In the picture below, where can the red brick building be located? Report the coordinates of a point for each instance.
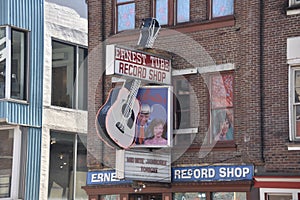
(234, 64)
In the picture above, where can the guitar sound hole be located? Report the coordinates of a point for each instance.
(120, 126)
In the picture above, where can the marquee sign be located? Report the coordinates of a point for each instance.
(144, 166)
(137, 64)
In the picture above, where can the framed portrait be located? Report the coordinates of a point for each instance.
(154, 121)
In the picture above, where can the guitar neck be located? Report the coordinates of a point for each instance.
(132, 87)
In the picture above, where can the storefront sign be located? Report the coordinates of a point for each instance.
(137, 64)
(212, 173)
(144, 166)
(104, 177)
(139, 166)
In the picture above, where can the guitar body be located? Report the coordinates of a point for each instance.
(101, 117)
(120, 121)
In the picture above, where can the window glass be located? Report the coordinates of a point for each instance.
(14, 65)
(189, 196)
(280, 196)
(63, 74)
(69, 76)
(122, 1)
(67, 166)
(2, 61)
(222, 8)
(81, 170)
(222, 107)
(297, 102)
(6, 161)
(18, 65)
(229, 195)
(182, 104)
(161, 10)
(126, 16)
(110, 197)
(183, 11)
(82, 79)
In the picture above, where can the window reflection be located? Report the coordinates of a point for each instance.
(69, 76)
(126, 16)
(229, 196)
(222, 8)
(18, 65)
(183, 11)
(6, 159)
(162, 11)
(2, 61)
(67, 166)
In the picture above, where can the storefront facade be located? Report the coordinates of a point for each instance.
(222, 75)
(213, 182)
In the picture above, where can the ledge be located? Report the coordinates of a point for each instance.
(293, 147)
(293, 10)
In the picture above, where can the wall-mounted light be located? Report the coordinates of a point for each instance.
(138, 186)
(52, 140)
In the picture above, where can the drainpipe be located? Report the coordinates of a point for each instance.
(261, 71)
(103, 65)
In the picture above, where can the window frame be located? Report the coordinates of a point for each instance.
(16, 161)
(263, 193)
(172, 13)
(9, 62)
(125, 2)
(211, 140)
(76, 67)
(293, 104)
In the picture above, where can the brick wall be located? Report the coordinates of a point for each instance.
(238, 43)
(278, 27)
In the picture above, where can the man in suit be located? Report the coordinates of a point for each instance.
(142, 123)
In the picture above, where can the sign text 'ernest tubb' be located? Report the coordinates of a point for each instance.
(138, 64)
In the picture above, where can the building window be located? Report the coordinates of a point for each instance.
(110, 197)
(221, 107)
(165, 14)
(294, 2)
(279, 194)
(183, 11)
(69, 76)
(189, 195)
(10, 148)
(67, 170)
(125, 10)
(295, 104)
(222, 8)
(13, 63)
(182, 104)
(182, 123)
(229, 195)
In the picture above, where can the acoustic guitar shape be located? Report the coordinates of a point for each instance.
(121, 116)
(101, 117)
